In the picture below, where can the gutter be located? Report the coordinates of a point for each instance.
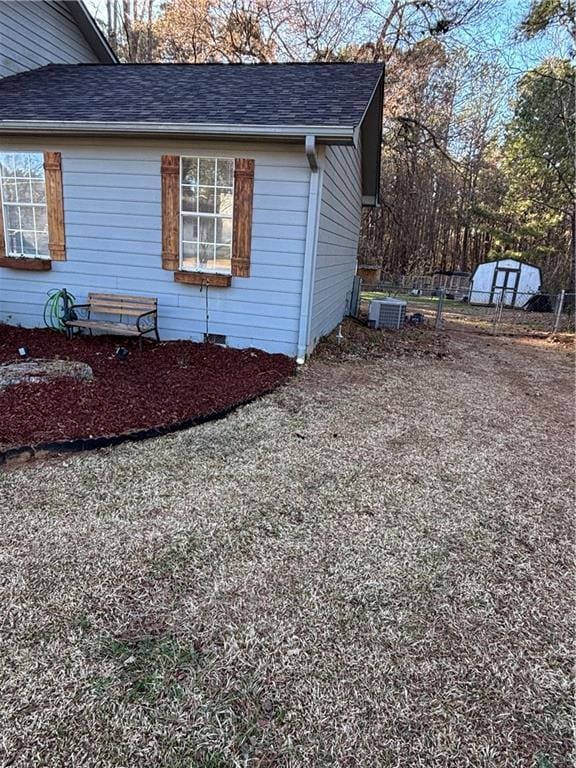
(314, 193)
(329, 134)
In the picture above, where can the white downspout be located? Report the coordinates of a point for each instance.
(309, 248)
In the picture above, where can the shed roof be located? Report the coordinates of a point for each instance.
(307, 95)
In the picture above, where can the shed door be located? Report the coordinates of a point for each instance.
(505, 284)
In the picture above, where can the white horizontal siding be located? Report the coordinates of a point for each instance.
(338, 233)
(112, 196)
(34, 33)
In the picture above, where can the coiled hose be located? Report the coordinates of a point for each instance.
(56, 308)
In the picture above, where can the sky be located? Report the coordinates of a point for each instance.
(500, 35)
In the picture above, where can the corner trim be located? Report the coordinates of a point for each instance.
(312, 219)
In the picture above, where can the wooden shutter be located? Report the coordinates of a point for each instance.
(170, 212)
(243, 204)
(2, 241)
(55, 205)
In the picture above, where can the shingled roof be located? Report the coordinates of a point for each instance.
(335, 95)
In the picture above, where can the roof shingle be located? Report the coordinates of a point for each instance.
(240, 94)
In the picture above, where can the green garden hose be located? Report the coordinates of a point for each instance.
(55, 309)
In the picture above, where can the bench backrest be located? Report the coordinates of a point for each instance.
(119, 304)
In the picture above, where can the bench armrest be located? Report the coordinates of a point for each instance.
(149, 325)
(71, 315)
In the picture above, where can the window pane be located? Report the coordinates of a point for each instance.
(206, 229)
(14, 242)
(224, 201)
(42, 240)
(189, 170)
(40, 222)
(21, 165)
(7, 165)
(28, 244)
(223, 256)
(206, 254)
(224, 173)
(23, 191)
(189, 255)
(189, 199)
(224, 231)
(36, 166)
(12, 217)
(38, 192)
(190, 228)
(206, 200)
(9, 191)
(26, 217)
(207, 166)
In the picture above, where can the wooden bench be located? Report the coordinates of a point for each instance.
(135, 315)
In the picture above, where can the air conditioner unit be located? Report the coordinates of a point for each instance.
(387, 313)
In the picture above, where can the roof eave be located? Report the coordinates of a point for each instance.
(92, 32)
(324, 134)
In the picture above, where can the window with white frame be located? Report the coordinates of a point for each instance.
(206, 205)
(23, 192)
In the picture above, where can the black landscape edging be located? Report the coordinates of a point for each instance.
(107, 441)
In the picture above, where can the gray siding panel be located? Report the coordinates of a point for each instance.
(33, 34)
(113, 236)
(338, 234)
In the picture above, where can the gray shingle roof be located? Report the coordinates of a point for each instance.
(240, 94)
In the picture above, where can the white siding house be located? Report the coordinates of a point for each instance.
(311, 155)
(112, 218)
(338, 234)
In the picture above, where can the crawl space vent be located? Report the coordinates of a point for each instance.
(387, 313)
(215, 338)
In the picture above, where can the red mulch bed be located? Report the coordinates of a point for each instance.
(161, 384)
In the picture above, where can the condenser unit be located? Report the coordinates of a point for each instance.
(387, 313)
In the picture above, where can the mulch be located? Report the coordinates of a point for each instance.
(162, 384)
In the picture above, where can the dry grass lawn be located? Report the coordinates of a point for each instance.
(371, 567)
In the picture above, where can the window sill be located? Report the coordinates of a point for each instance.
(215, 279)
(33, 265)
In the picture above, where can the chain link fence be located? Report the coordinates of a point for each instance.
(523, 315)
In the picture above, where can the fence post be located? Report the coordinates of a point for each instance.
(497, 312)
(558, 311)
(439, 309)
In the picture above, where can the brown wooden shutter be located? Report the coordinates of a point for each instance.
(2, 241)
(170, 212)
(55, 205)
(243, 204)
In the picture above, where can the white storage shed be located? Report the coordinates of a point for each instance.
(514, 280)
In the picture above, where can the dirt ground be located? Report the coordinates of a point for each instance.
(372, 566)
